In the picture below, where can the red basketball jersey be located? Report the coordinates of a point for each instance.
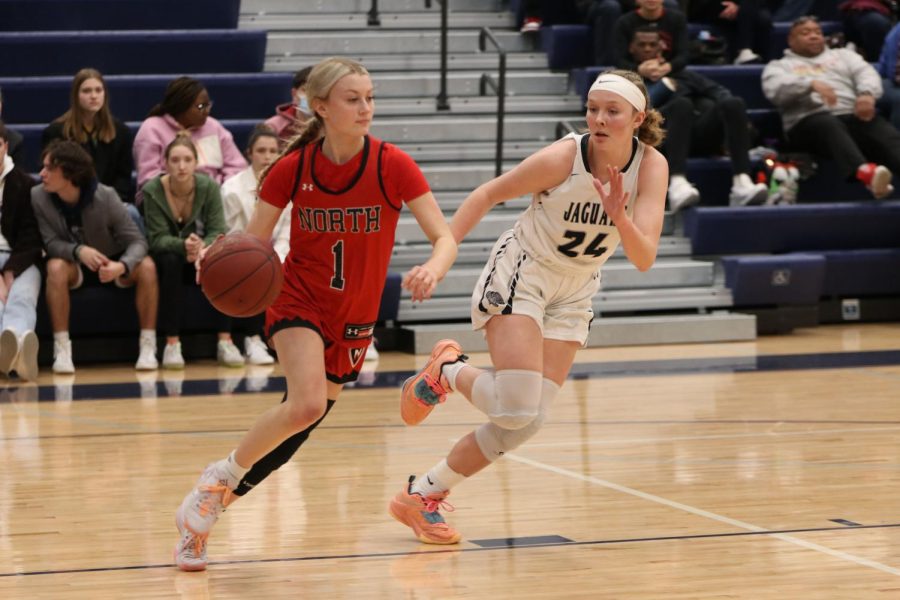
(343, 221)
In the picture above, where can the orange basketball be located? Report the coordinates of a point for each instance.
(241, 275)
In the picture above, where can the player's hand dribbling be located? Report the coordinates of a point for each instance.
(420, 282)
(616, 200)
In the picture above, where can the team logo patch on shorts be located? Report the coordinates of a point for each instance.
(358, 332)
(494, 299)
(355, 355)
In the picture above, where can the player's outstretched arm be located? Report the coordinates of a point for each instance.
(422, 279)
(543, 170)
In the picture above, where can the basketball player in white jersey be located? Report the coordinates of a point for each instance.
(590, 193)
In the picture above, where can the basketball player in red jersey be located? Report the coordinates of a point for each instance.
(346, 189)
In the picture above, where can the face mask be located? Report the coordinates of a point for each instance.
(303, 105)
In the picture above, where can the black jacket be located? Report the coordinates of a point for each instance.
(113, 161)
(18, 224)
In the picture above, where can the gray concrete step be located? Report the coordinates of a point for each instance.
(617, 275)
(460, 83)
(359, 21)
(376, 63)
(374, 41)
(471, 151)
(719, 326)
(607, 301)
(250, 7)
(465, 128)
(474, 253)
(477, 105)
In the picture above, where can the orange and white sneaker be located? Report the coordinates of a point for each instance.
(190, 551)
(428, 388)
(421, 514)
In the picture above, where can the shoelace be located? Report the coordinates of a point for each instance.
(208, 504)
(436, 387)
(196, 547)
(436, 504)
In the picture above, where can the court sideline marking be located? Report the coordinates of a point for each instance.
(706, 514)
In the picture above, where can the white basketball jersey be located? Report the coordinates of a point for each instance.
(566, 227)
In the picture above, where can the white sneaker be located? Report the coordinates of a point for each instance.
(172, 358)
(201, 508)
(196, 516)
(27, 364)
(147, 358)
(9, 350)
(682, 194)
(255, 351)
(229, 355)
(747, 56)
(371, 353)
(62, 357)
(748, 195)
(190, 550)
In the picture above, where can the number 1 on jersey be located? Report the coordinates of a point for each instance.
(337, 280)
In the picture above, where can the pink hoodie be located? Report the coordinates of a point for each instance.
(218, 156)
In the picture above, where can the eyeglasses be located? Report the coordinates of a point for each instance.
(205, 106)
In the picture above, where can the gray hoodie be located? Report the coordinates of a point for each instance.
(786, 83)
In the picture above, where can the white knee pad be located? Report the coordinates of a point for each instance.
(510, 398)
(495, 441)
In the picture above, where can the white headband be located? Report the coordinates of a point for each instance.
(608, 82)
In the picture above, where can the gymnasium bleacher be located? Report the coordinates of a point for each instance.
(244, 52)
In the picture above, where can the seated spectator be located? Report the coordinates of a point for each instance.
(673, 39)
(867, 23)
(746, 25)
(90, 123)
(889, 69)
(289, 117)
(185, 107)
(826, 98)
(15, 148)
(90, 240)
(183, 211)
(601, 16)
(239, 198)
(20, 255)
(701, 117)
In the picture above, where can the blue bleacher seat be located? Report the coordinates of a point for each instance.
(137, 52)
(867, 272)
(838, 226)
(95, 15)
(787, 279)
(42, 99)
(566, 46)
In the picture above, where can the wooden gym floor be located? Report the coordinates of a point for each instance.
(764, 469)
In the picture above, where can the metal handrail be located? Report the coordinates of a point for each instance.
(443, 102)
(374, 19)
(499, 88)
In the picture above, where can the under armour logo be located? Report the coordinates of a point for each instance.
(306, 187)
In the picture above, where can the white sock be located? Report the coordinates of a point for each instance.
(439, 479)
(450, 371)
(61, 336)
(149, 335)
(741, 180)
(232, 470)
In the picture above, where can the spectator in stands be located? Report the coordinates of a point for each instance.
(533, 16)
(889, 68)
(601, 16)
(867, 23)
(291, 116)
(15, 148)
(90, 240)
(673, 39)
(185, 107)
(20, 255)
(827, 102)
(239, 198)
(90, 123)
(183, 210)
(746, 25)
(701, 117)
